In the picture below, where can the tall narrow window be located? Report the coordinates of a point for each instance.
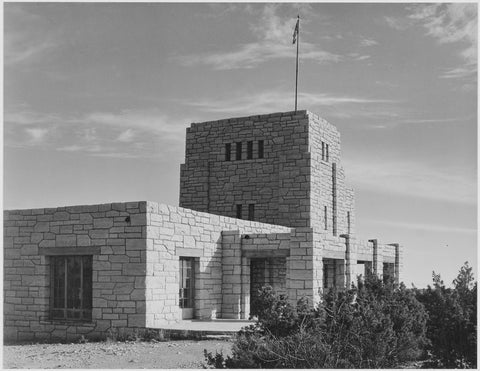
(325, 215)
(228, 151)
(239, 211)
(323, 150)
(71, 283)
(260, 149)
(251, 211)
(239, 151)
(326, 152)
(348, 222)
(249, 150)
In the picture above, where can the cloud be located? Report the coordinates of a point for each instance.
(274, 35)
(368, 42)
(37, 135)
(98, 133)
(397, 23)
(126, 136)
(278, 100)
(423, 227)
(411, 178)
(452, 23)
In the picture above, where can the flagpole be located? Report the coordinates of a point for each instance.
(296, 67)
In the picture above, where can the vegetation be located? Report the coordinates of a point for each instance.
(374, 325)
(452, 321)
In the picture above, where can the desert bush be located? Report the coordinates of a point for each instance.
(374, 325)
(452, 322)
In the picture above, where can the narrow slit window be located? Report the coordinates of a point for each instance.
(326, 152)
(260, 149)
(228, 151)
(348, 222)
(239, 151)
(249, 150)
(251, 211)
(325, 216)
(323, 150)
(239, 211)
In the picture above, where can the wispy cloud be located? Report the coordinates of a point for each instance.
(423, 226)
(368, 42)
(97, 133)
(278, 100)
(397, 23)
(411, 178)
(274, 41)
(452, 23)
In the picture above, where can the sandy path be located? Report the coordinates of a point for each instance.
(171, 354)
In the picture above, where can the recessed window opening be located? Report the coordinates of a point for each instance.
(325, 215)
(326, 152)
(239, 151)
(251, 211)
(323, 150)
(228, 151)
(348, 222)
(71, 283)
(239, 211)
(260, 149)
(249, 149)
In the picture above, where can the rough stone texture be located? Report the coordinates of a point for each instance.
(136, 246)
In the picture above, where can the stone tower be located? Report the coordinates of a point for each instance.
(281, 168)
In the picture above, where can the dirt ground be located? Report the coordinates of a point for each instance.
(170, 354)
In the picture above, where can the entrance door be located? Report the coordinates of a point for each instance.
(187, 287)
(257, 281)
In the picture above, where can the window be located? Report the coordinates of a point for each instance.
(323, 150)
(251, 211)
(239, 151)
(326, 152)
(348, 222)
(249, 150)
(71, 283)
(239, 211)
(260, 149)
(187, 283)
(228, 150)
(325, 217)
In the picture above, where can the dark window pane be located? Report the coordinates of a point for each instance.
(239, 151)
(260, 149)
(239, 211)
(228, 151)
(251, 211)
(249, 150)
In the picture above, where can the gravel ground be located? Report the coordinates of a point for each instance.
(171, 354)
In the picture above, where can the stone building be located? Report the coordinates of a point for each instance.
(263, 201)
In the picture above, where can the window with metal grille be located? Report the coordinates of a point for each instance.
(249, 150)
(239, 151)
(71, 287)
(228, 150)
(260, 149)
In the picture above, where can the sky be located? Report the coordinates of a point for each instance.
(97, 98)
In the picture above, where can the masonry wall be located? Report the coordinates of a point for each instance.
(277, 184)
(118, 278)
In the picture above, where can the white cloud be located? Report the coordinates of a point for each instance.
(274, 35)
(37, 135)
(126, 136)
(277, 100)
(368, 42)
(423, 227)
(411, 178)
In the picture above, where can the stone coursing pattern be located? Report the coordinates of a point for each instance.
(118, 276)
(135, 276)
(277, 184)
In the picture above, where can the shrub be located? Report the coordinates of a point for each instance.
(372, 326)
(452, 322)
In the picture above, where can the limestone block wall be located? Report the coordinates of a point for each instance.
(277, 183)
(173, 232)
(328, 180)
(31, 237)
